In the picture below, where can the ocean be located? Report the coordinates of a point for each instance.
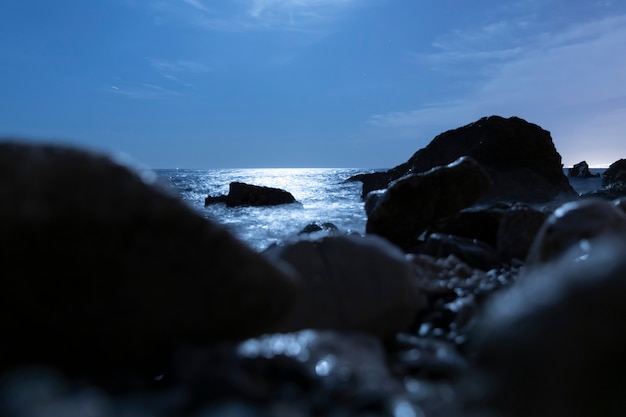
(322, 196)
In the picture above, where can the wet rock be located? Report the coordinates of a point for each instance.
(621, 204)
(552, 344)
(471, 251)
(580, 170)
(412, 203)
(318, 227)
(315, 371)
(575, 224)
(242, 194)
(615, 173)
(519, 156)
(359, 283)
(103, 271)
(426, 357)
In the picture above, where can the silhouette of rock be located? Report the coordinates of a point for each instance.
(103, 271)
(581, 170)
(519, 157)
(242, 194)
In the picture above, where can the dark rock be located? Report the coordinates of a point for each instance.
(621, 204)
(320, 370)
(103, 271)
(472, 223)
(242, 194)
(471, 251)
(575, 224)
(410, 204)
(318, 227)
(580, 170)
(611, 191)
(615, 173)
(519, 156)
(517, 230)
(359, 283)
(553, 344)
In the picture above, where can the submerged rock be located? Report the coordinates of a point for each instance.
(351, 282)
(242, 194)
(410, 204)
(103, 272)
(519, 156)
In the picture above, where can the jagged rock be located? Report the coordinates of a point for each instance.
(519, 156)
(103, 271)
(580, 170)
(410, 204)
(350, 282)
(553, 344)
(615, 173)
(575, 224)
(242, 194)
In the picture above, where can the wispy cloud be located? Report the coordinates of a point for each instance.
(144, 92)
(252, 15)
(175, 69)
(566, 80)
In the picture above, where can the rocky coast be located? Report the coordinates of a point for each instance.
(484, 285)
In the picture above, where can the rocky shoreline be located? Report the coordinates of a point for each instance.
(483, 286)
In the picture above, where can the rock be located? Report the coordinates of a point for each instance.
(318, 227)
(574, 224)
(621, 204)
(357, 283)
(410, 204)
(321, 370)
(580, 170)
(519, 156)
(615, 173)
(103, 271)
(471, 251)
(517, 230)
(242, 194)
(552, 344)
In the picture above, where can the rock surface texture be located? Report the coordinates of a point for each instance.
(519, 156)
(410, 204)
(355, 283)
(103, 272)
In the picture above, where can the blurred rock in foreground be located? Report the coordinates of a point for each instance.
(103, 272)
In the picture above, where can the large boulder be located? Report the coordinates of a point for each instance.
(410, 204)
(519, 156)
(242, 194)
(350, 282)
(553, 344)
(103, 271)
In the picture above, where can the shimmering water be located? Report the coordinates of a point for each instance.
(321, 193)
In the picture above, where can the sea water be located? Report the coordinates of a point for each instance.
(322, 196)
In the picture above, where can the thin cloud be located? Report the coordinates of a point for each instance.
(566, 81)
(145, 92)
(253, 15)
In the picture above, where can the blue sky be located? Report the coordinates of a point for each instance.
(309, 83)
